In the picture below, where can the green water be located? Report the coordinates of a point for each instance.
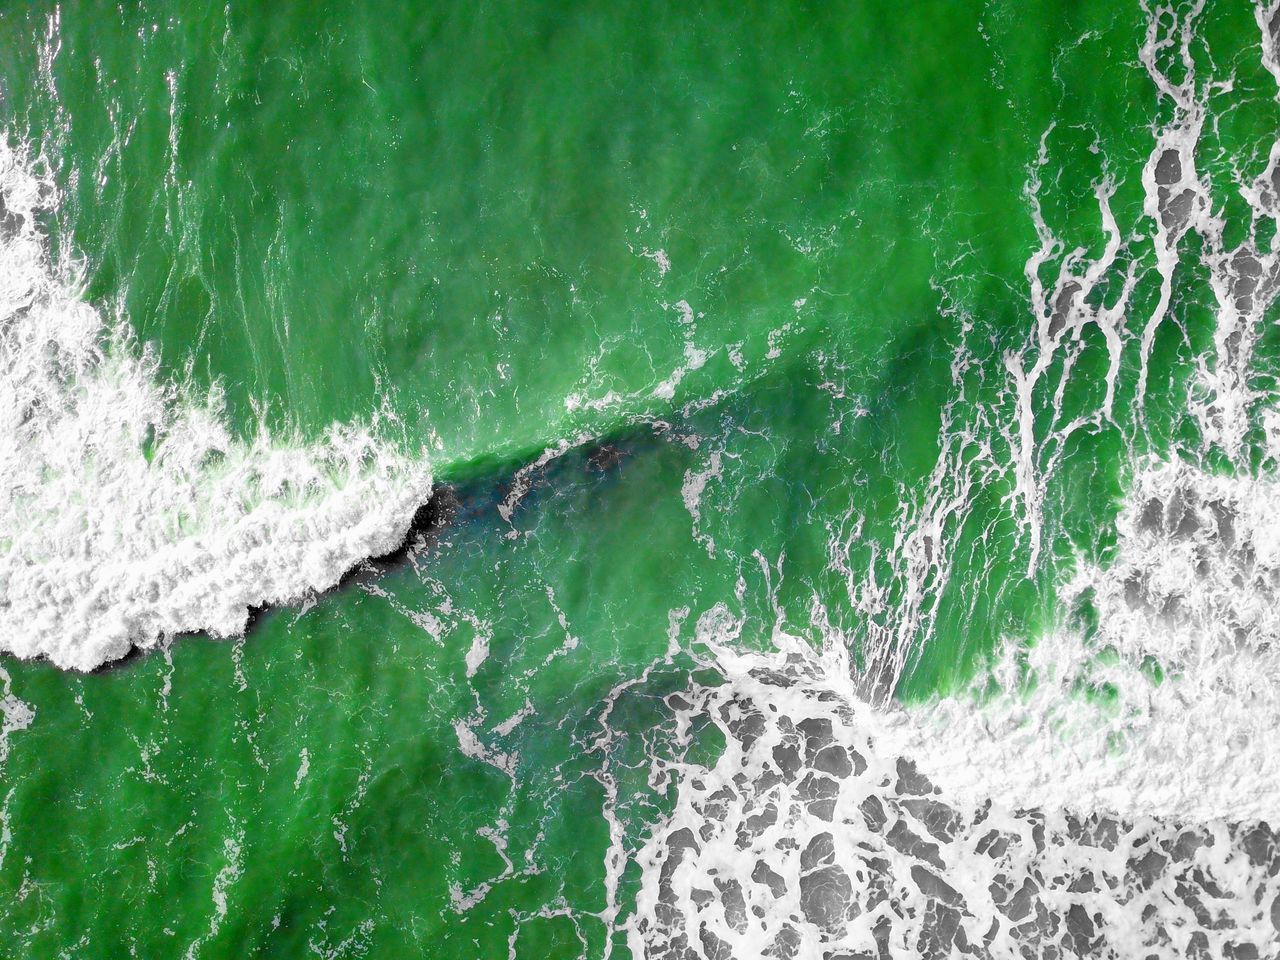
(466, 212)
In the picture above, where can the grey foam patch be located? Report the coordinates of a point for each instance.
(890, 866)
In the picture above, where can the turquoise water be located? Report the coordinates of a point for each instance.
(710, 326)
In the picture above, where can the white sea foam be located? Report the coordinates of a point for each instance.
(1098, 792)
(1169, 705)
(1159, 695)
(128, 509)
(1100, 795)
(812, 837)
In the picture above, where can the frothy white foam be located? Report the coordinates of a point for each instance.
(1161, 696)
(812, 837)
(128, 510)
(1097, 792)
(1095, 795)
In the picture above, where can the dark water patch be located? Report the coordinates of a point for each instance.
(473, 498)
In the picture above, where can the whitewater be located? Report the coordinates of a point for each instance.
(1103, 790)
(130, 512)
(1020, 817)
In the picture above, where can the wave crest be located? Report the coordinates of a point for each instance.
(129, 511)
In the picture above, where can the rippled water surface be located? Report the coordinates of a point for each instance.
(559, 480)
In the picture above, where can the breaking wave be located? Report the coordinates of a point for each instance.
(129, 511)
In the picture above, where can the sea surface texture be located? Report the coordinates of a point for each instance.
(639, 480)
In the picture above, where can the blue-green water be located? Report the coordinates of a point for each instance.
(636, 439)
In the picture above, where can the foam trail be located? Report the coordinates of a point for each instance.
(128, 510)
(1159, 690)
(1020, 440)
(1100, 791)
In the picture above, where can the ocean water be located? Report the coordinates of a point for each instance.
(561, 480)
